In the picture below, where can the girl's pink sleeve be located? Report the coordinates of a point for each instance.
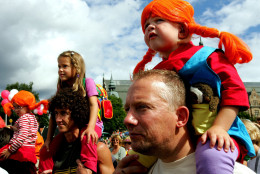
(91, 87)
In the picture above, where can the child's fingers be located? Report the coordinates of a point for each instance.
(232, 145)
(213, 140)
(93, 139)
(88, 138)
(221, 143)
(204, 138)
(82, 136)
(227, 144)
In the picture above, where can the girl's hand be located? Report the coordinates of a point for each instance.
(5, 154)
(129, 165)
(218, 134)
(90, 133)
(13, 128)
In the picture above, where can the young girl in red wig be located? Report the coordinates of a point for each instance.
(19, 153)
(168, 26)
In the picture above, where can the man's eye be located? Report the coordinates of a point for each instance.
(63, 113)
(141, 107)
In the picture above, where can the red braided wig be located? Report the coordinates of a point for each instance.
(180, 11)
(25, 98)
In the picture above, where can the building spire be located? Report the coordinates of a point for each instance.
(200, 43)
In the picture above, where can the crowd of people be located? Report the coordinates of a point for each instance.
(181, 116)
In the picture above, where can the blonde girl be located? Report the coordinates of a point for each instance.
(72, 75)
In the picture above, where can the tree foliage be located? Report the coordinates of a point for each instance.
(117, 122)
(43, 119)
(245, 115)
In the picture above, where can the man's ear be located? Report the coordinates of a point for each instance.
(183, 31)
(183, 116)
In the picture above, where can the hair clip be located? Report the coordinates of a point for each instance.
(78, 75)
(71, 54)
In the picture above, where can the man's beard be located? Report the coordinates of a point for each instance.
(145, 148)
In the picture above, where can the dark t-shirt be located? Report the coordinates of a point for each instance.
(66, 156)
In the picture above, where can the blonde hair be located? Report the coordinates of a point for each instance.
(116, 136)
(78, 64)
(180, 11)
(253, 131)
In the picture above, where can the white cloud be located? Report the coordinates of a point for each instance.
(106, 33)
(239, 17)
(33, 33)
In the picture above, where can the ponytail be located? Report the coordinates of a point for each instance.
(236, 50)
(36, 105)
(8, 108)
(147, 58)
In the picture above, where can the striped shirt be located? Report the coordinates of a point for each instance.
(26, 132)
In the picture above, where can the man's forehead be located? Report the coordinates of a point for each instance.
(148, 83)
(141, 89)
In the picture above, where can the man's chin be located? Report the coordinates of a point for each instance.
(62, 130)
(142, 148)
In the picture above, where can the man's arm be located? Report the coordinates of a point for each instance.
(105, 164)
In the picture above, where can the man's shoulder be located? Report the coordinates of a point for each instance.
(242, 169)
(184, 165)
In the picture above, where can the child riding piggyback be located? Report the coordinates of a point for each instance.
(168, 26)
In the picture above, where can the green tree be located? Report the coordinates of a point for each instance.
(245, 115)
(119, 114)
(43, 119)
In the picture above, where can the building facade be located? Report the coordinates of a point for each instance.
(253, 91)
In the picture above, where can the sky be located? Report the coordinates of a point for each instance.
(107, 33)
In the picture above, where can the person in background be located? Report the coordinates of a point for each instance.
(127, 144)
(254, 132)
(117, 151)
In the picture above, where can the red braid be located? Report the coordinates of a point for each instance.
(147, 58)
(236, 50)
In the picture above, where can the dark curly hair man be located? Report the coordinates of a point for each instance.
(74, 102)
(70, 110)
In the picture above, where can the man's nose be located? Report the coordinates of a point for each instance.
(130, 119)
(58, 117)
